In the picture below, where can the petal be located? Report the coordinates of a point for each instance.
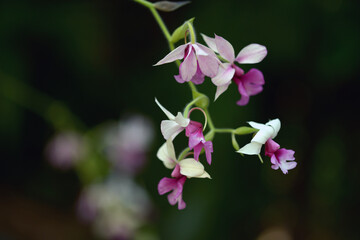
(181, 204)
(252, 148)
(284, 154)
(191, 168)
(204, 175)
(253, 81)
(271, 147)
(166, 185)
(244, 95)
(225, 49)
(199, 77)
(208, 65)
(183, 122)
(176, 172)
(179, 79)
(208, 146)
(210, 42)
(263, 135)
(189, 66)
(221, 89)
(276, 125)
(289, 165)
(166, 153)
(197, 150)
(176, 54)
(167, 113)
(170, 129)
(224, 75)
(253, 53)
(256, 125)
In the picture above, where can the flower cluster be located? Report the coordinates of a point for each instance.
(218, 62)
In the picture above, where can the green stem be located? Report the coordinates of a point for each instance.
(187, 108)
(224, 130)
(183, 154)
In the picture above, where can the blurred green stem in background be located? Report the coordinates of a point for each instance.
(54, 112)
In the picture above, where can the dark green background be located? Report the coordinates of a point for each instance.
(97, 56)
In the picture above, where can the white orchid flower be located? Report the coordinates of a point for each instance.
(266, 131)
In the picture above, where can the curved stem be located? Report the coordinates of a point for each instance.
(187, 108)
(192, 32)
(183, 154)
(224, 130)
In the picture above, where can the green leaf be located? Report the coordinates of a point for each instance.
(245, 130)
(179, 33)
(167, 6)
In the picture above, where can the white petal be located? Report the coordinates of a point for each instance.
(252, 148)
(191, 168)
(183, 122)
(256, 125)
(224, 75)
(275, 124)
(166, 154)
(253, 53)
(170, 129)
(221, 89)
(263, 135)
(176, 54)
(210, 42)
(225, 49)
(199, 51)
(167, 113)
(204, 175)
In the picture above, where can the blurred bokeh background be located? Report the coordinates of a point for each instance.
(81, 66)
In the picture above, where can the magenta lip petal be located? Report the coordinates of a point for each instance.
(271, 147)
(208, 150)
(199, 77)
(176, 172)
(197, 150)
(166, 185)
(284, 154)
(178, 78)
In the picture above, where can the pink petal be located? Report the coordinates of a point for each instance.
(253, 81)
(225, 49)
(179, 79)
(199, 77)
(208, 150)
(271, 147)
(208, 65)
(244, 96)
(221, 89)
(253, 53)
(189, 66)
(176, 172)
(181, 204)
(284, 154)
(176, 54)
(197, 150)
(166, 185)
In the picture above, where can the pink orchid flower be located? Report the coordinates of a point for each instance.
(249, 84)
(197, 141)
(183, 169)
(280, 158)
(199, 61)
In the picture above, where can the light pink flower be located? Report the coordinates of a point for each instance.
(280, 157)
(197, 141)
(199, 61)
(250, 83)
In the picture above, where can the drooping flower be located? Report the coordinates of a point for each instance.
(183, 169)
(197, 141)
(266, 131)
(172, 127)
(199, 61)
(249, 84)
(280, 157)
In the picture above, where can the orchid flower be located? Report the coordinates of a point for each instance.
(172, 127)
(266, 131)
(184, 169)
(197, 141)
(249, 84)
(199, 61)
(280, 158)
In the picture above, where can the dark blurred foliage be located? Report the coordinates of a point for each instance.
(96, 57)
